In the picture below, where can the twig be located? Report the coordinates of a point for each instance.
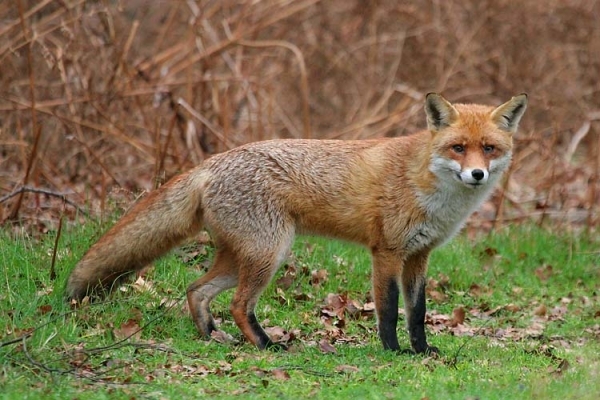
(37, 363)
(55, 249)
(454, 362)
(95, 376)
(25, 189)
(17, 340)
(303, 369)
(577, 138)
(205, 121)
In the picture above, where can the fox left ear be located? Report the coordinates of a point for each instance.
(508, 115)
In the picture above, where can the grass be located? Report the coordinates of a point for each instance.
(531, 299)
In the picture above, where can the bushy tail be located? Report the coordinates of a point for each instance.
(156, 224)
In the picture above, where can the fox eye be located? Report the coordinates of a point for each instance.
(488, 149)
(458, 148)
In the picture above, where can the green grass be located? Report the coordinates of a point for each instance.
(504, 350)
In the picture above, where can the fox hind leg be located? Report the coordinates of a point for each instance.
(222, 275)
(253, 280)
(254, 275)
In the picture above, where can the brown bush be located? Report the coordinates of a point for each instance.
(98, 95)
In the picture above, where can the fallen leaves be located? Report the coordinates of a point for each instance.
(318, 277)
(544, 272)
(282, 336)
(220, 336)
(334, 312)
(562, 367)
(458, 317)
(540, 310)
(44, 309)
(280, 374)
(142, 285)
(505, 322)
(128, 329)
(326, 347)
(328, 321)
(476, 290)
(347, 369)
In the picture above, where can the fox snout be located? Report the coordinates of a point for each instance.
(474, 177)
(448, 170)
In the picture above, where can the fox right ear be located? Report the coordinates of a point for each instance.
(440, 113)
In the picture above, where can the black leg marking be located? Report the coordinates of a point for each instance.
(416, 318)
(388, 317)
(263, 340)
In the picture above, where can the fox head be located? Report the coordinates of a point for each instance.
(472, 144)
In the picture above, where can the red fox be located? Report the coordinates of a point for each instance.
(399, 197)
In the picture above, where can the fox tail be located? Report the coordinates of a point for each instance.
(153, 226)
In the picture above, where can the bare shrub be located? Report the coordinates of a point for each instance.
(99, 95)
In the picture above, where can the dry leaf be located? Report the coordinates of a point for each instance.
(222, 337)
(44, 309)
(78, 356)
(277, 333)
(285, 282)
(562, 367)
(437, 297)
(369, 307)
(303, 296)
(318, 277)
(281, 299)
(458, 317)
(444, 281)
(544, 272)
(475, 290)
(128, 329)
(540, 310)
(346, 369)
(44, 292)
(280, 374)
(326, 347)
(489, 252)
(512, 308)
(517, 290)
(141, 285)
(335, 305)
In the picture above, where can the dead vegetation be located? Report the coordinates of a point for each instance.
(105, 95)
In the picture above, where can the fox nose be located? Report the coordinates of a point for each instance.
(477, 174)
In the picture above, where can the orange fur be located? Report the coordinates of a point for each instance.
(399, 197)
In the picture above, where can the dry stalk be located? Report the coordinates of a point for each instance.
(91, 88)
(304, 76)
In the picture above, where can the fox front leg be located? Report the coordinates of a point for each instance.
(413, 288)
(389, 269)
(386, 273)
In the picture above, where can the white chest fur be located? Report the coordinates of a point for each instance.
(446, 210)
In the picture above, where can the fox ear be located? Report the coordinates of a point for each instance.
(440, 113)
(508, 115)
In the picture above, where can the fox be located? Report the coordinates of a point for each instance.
(400, 197)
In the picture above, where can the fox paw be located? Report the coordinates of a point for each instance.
(429, 351)
(276, 347)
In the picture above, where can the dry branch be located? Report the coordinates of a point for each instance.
(27, 189)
